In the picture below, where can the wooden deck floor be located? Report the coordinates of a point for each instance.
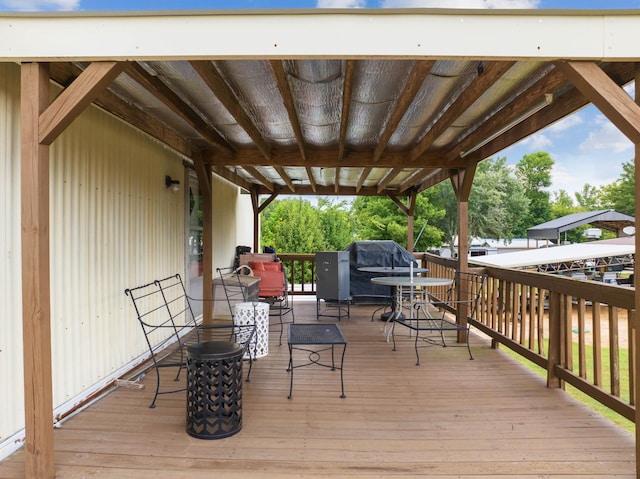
(449, 417)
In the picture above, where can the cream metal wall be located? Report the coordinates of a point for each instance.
(114, 225)
(11, 372)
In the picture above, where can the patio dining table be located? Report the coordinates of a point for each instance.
(403, 284)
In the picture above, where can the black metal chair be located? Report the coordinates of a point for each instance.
(428, 327)
(166, 317)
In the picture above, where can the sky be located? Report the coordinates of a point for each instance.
(586, 147)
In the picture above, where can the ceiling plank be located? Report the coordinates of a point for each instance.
(222, 92)
(605, 94)
(420, 71)
(76, 97)
(163, 93)
(491, 72)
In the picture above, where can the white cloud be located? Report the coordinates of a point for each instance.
(39, 5)
(341, 4)
(537, 142)
(565, 124)
(605, 136)
(460, 3)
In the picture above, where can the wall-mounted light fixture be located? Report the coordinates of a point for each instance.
(171, 183)
(548, 99)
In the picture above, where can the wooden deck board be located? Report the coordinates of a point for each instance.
(449, 417)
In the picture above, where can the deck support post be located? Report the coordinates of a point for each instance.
(36, 289)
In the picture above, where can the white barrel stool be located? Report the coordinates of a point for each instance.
(255, 313)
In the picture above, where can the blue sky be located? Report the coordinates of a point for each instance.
(586, 147)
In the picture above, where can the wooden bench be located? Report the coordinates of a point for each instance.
(166, 317)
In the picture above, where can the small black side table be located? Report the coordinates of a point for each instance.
(328, 335)
(214, 389)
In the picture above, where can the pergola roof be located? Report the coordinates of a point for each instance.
(345, 102)
(606, 219)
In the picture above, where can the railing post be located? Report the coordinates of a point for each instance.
(555, 340)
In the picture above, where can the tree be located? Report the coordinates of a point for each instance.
(336, 224)
(588, 198)
(379, 218)
(496, 203)
(292, 226)
(620, 195)
(534, 171)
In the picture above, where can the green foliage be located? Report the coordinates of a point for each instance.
(379, 218)
(496, 203)
(336, 223)
(292, 226)
(534, 171)
(620, 195)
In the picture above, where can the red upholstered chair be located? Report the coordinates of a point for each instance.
(273, 289)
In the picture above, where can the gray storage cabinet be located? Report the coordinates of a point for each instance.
(332, 280)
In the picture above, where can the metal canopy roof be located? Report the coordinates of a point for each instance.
(605, 219)
(348, 102)
(563, 258)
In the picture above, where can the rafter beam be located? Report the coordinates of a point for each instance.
(229, 175)
(416, 78)
(388, 178)
(162, 92)
(487, 76)
(225, 95)
(289, 104)
(286, 178)
(260, 178)
(569, 102)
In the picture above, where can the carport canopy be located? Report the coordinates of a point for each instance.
(606, 219)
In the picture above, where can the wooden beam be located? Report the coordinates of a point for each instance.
(414, 83)
(76, 97)
(636, 270)
(162, 92)
(488, 74)
(204, 181)
(462, 181)
(287, 99)
(259, 177)
(566, 103)
(286, 178)
(388, 178)
(221, 90)
(229, 175)
(347, 94)
(36, 288)
(605, 94)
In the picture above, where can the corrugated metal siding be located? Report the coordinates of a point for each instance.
(114, 225)
(11, 372)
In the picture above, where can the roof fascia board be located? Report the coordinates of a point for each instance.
(413, 33)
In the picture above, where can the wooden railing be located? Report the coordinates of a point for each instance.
(578, 331)
(301, 272)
